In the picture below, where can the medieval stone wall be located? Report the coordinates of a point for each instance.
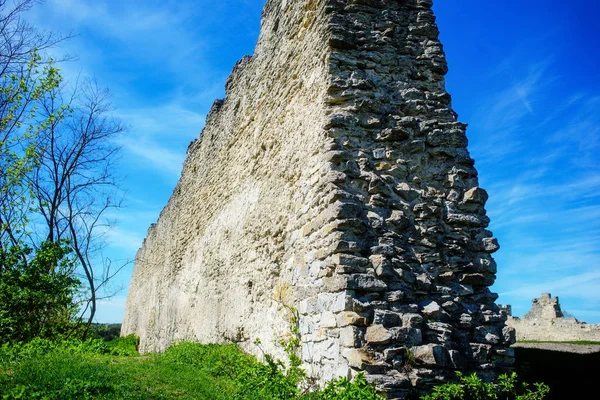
(225, 243)
(334, 179)
(546, 322)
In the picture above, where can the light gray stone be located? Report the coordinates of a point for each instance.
(351, 336)
(357, 358)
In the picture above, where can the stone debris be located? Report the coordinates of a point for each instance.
(334, 179)
(546, 322)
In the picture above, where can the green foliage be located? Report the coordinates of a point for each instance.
(36, 292)
(343, 389)
(248, 378)
(124, 346)
(472, 387)
(216, 360)
(71, 369)
(106, 332)
(20, 96)
(11, 354)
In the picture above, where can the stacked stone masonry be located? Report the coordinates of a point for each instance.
(334, 179)
(546, 322)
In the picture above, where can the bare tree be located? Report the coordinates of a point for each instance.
(73, 182)
(19, 40)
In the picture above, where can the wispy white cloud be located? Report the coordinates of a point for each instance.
(153, 155)
(545, 196)
(583, 286)
(524, 192)
(111, 310)
(500, 117)
(132, 26)
(124, 239)
(118, 302)
(169, 120)
(159, 136)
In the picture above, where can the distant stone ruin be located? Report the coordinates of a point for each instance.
(334, 182)
(546, 322)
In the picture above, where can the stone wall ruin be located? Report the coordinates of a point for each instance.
(333, 178)
(546, 322)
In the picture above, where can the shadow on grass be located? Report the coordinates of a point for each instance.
(569, 375)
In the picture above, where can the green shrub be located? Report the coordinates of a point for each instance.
(250, 379)
(472, 387)
(14, 353)
(37, 292)
(124, 346)
(106, 332)
(343, 389)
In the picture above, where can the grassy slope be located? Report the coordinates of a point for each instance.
(42, 370)
(87, 372)
(97, 370)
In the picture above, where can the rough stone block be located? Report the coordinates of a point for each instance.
(475, 195)
(378, 334)
(357, 358)
(412, 320)
(346, 318)
(481, 352)
(351, 336)
(432, 355)
(387, 318)
(333, 302)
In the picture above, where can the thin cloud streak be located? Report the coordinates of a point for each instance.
(164, 161)
(123, 239)
(545, 201)
(584, 286)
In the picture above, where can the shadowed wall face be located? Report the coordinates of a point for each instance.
(334, 178)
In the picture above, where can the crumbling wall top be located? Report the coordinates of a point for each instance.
(545, 307)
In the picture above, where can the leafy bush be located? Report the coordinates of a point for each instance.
(106, 332)
(217, 360)
(124, 346)
(343, 389)
(250, 379)
(472, 387)
(38, 348)
(36, 292)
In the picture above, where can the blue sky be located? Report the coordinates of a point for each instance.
(523, 74)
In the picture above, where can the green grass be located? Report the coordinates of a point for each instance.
(94, 369)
